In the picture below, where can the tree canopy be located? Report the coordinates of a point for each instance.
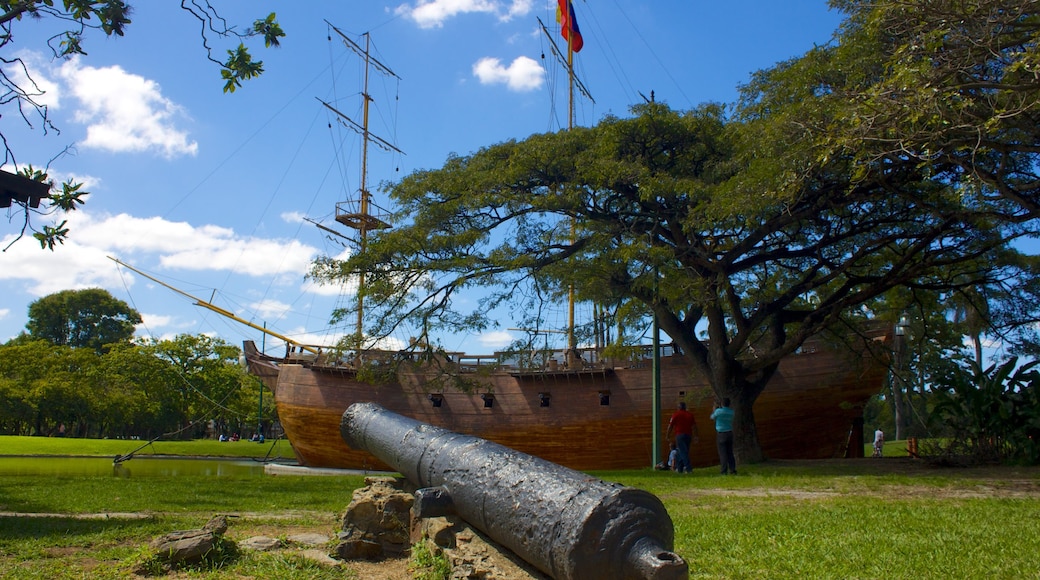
(91, 318)
(748, 233)
(172, 388)
(22, 94)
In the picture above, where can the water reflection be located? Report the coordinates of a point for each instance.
(137, 467)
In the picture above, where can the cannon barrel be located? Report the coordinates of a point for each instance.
(564, 522)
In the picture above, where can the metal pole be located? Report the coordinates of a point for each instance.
(260, 410)
(260, 384)
(656, 387)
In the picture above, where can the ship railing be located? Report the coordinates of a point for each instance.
(548, 360)
(300, 353)
(350, 213)
(582, 358)
(474, 363)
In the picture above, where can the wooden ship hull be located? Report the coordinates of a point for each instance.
(595, 418)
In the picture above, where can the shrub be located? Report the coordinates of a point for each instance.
(990, 415)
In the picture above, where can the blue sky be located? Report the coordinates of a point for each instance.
(208, 191)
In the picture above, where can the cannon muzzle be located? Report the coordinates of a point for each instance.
(564, 522)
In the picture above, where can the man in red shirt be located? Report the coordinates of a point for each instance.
(684, 426)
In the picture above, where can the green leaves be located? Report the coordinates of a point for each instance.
(239, 67)
(82, 318)
(52, 235)
(270, 30)
(70, 197)
(991, 414)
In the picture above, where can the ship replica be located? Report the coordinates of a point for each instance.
(596, 416)
(572, 406)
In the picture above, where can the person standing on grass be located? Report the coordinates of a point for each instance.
(684, 425)
(879, 442)
(723, 417)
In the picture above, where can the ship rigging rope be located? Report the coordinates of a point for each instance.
(262, 129)
(209, 412)
(616, 61)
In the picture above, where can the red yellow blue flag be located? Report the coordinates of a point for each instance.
(569, 24)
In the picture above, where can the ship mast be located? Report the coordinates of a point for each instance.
(572, 83)
(358, 214)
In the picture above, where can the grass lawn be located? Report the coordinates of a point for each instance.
(867, 518)
(69, 446)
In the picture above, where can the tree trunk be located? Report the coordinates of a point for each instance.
(898, 385)
(746, 446)
(976, 341)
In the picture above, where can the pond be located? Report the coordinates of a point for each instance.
(136, 467)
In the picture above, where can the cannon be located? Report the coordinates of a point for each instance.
(563, 522)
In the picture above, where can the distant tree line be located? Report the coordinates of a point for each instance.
(79, 367)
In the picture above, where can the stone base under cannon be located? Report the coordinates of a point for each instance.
(379, 523)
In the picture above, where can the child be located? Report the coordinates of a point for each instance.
(673, 457)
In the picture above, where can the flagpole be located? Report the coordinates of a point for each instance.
(572, 343)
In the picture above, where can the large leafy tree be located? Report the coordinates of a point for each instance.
(744, 235)
(944, 82)
(19, 92)
(90, 318)
(668, 214)
(42, 385)
(204, 381)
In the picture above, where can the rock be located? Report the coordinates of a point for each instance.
(216, 526)
(440, 531)
(260, 543)
(473, 556)
(376, 523)
(320, 557)
(190, 546)
(308, 539)
(357, 548)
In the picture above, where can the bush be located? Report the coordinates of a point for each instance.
(990, 415)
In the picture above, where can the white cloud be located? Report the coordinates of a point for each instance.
(524, 74)
(153, 321)
(520, 8)
(293, 217)
(82, 263)
(495, 340)
(4, 312)
(34, 80)
(433, 13)
(124, 112)
(269, 308)
(70, 267)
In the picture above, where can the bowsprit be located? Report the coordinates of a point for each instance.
(565, 523)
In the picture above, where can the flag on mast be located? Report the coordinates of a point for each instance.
(569, 24)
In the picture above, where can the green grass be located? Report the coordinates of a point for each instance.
(181, 494)
(831, 529)
(889, 449)
(869, 518)
(69, 446)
